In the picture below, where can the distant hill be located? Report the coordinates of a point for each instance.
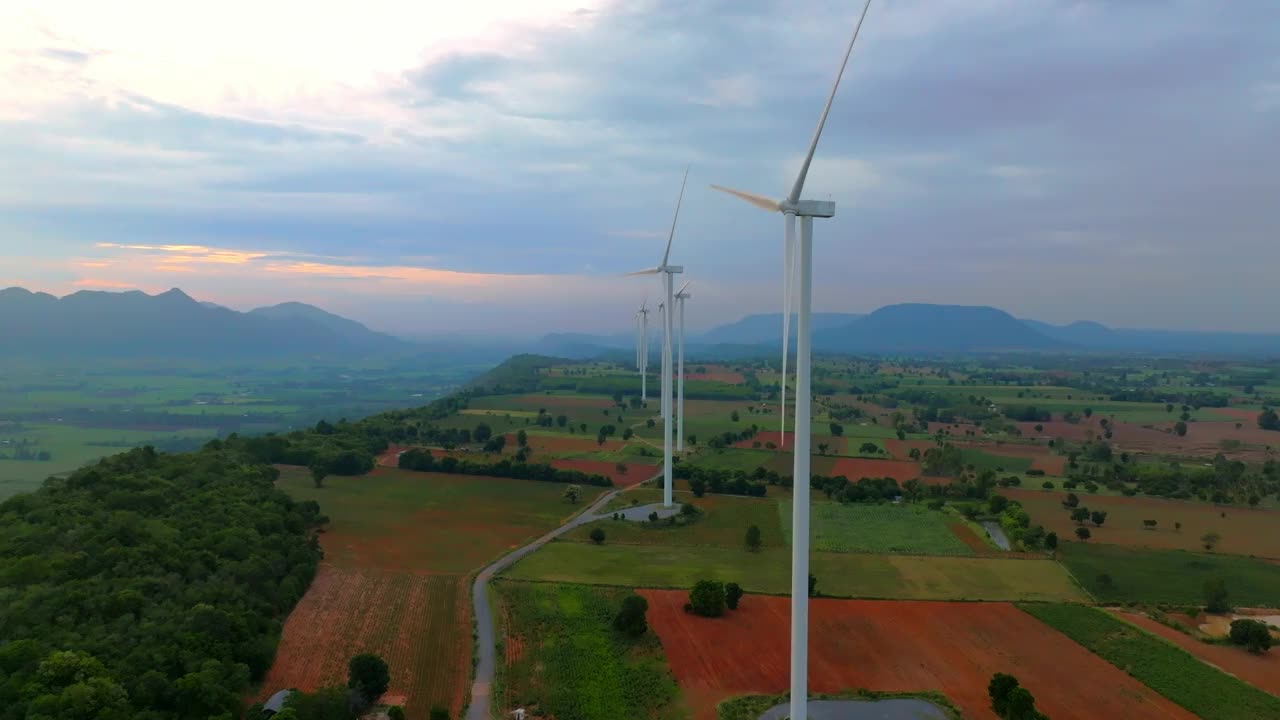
(917, 327)
(90, 324)
(1096, 336)
(767, 328)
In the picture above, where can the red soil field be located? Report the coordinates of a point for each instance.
(968, 537)
(419, 624)
(1261, 671)
(901, 449)
(857, 468)
(565, 443)
(1058, 429)
(717, 373)
(894, 646)
(636, 473)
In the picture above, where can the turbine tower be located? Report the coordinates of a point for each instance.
(642, 349)
(668, 273)
(792, 207)
(681, 296)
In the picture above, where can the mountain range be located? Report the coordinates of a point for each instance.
(172, 324)
(92, 324)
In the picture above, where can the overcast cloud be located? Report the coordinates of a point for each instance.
(495, 167)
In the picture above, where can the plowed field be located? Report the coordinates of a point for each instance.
(1262, 670)
(894, 645)
(634, 475)
(564, 444)
(858, 468)
(417, 623)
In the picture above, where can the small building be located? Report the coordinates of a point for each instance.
(275, 703)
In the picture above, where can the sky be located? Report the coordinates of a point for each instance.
(496, 166)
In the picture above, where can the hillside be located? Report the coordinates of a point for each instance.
(171, 324)
(934, 329)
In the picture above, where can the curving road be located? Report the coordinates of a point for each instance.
(483, 682)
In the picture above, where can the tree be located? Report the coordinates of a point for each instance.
(482, 433)
(495, 444)
(522, 438)
(997, 504)
(368, 675)
(1098, 517)
(753, 538)
(1252, 634)
(647, 423)
(1083, 533)
(693, 439)
(822, 448)
(734, 416)
(597, 536)
(998, 689)
(707, 598)
(1051, 541)
(1177, 526)
(1150, 524)
(572, 493)
(1088, 412)
(628, 434)
(1268, 420)
(1021, 705)
(438, 713)
(1072, 500)
(562, 420)
(902, 434)
(1216, 598)
(395, 712)
(1210, 540)
(837, 429)
(869, 447)
(1180, 428)
(698, 486)
(732, 594)
(813, 585)
(1079, 515)
(630, 619)
(318, 473)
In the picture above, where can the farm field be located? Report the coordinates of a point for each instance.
(563, 659)
(1244, 531)
(629, 475)
(769, 571)
(887, 528)
(857, 468)
(724, 523)
(953, 648)
(403, 543)
(1260, 670)
(1169, 576)
(419, 623)
(1204, 690)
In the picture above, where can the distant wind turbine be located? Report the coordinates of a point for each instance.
(642, 348)
(668, 272)
(681, 296)
(792, 207)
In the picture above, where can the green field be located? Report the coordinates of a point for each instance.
(1169, 670)
(746, 460)
(723, 523)
(1000, 463)
(769, 571)
(565, 659)
(1170, 576)
(887, 528)
(430, 522)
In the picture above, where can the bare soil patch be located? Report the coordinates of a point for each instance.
(857, 468)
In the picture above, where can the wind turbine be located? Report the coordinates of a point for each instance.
(642, 348)
(668, 273)
(681, 296)
(800, 259)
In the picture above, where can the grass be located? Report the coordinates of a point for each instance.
(565, 660)
(1000, 463)
(724, 523)
(430, 522)
(746, 460)
(769, 571)
(1169, 670)
(884, 528)
(1169, 576)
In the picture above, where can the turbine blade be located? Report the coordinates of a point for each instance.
(682, 287)
(796, 189)
(759, 201)
(650, 271)
(672, 235)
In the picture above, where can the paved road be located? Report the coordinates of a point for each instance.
(480, 686)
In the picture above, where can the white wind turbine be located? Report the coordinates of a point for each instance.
(680, 296)
(642, 348)
(668, 272)
(792, 207)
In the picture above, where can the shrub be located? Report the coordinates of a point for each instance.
(368, 675)
(733, 593)
(630, 620)
(395, 712)
(1046, 485)
(653, 516)
(1252, 634)
(707, 598)
(438, 713)
(597, 536)
(998, 689)
(753, 538)
(1035, 472)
